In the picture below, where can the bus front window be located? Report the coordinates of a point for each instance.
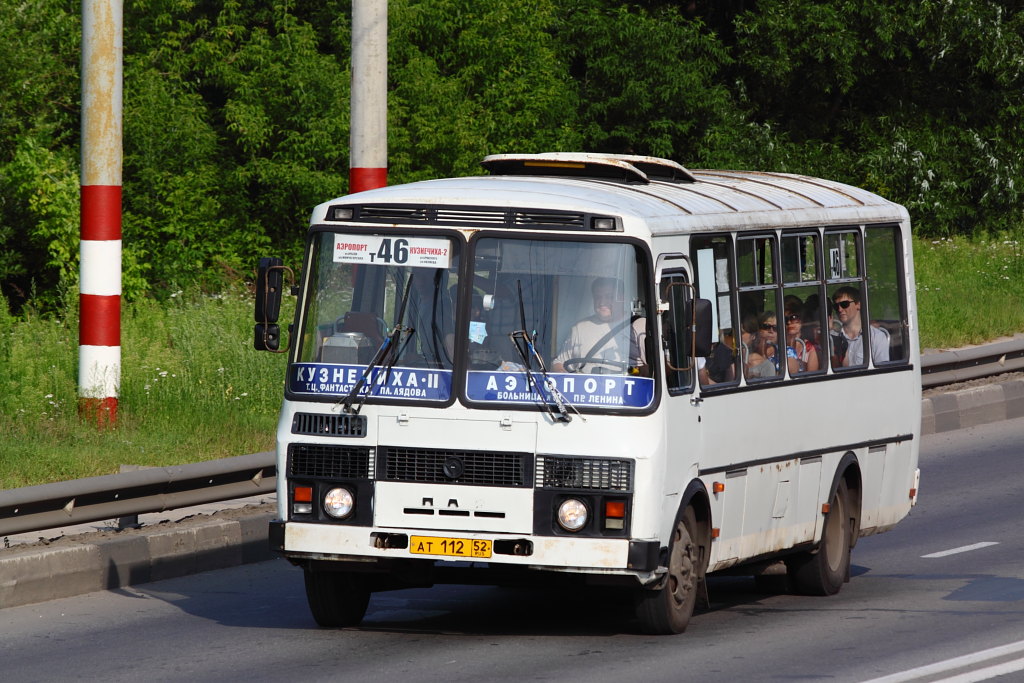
(374, 302)
(562, 312)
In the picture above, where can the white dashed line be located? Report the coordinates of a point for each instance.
(950, 666)
(961, 549)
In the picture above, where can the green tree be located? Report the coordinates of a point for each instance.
(649, 80)
(470, 79)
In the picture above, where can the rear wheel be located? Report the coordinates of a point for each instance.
(824, 571)
(668, 609)
(336, 598)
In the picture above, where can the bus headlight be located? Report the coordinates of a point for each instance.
(339, 503)
(572, 514)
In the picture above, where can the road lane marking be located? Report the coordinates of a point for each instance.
(961, 549)
(950, 665)
(986, 673)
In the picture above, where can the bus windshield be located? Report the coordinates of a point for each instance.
(379, 314)
(547, 316)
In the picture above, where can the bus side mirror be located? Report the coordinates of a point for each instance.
(269, 280)
(267, 337)
(268, 290)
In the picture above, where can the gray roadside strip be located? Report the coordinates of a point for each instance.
(107, 560)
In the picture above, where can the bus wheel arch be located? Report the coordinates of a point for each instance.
(667, 608)
(825, 569)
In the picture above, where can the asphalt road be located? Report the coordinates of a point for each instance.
(911, 603)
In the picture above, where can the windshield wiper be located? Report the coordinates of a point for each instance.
(387, 354)
(520, 339)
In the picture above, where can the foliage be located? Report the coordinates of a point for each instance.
(236, 114)
(969, 291)
(192, 389)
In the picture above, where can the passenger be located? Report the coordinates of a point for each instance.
(801, 354)
(847, 301)
(721, 363)
(605, 336)
(812, 330)
(762, 359)
(836, 341)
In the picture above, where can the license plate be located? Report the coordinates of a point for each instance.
(452, 547)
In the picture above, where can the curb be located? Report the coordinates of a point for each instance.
(106, 560)
(98, 561)
(972, 407)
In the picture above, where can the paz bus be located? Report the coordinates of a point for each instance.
(599, 368)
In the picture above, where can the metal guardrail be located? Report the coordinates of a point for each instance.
(960, 365)
(34, 508)
(79, 501)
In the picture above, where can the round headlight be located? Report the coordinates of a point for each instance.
(572, 514)
(338, 503)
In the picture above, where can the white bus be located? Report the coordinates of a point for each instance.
(598, 367)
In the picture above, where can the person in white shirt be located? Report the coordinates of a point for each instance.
(607, 335)
(847, 303)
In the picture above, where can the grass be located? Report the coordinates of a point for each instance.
(969, 291)
(193, 388)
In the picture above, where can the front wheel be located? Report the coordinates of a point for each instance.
(668, 609)
(824, 571)
(336, 598)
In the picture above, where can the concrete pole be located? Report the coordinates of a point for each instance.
(99, 328)
(368, 160)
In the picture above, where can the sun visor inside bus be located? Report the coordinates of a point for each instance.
(623, 167)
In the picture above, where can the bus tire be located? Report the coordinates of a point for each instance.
(336, 599)
(823, 571)
(667, 610)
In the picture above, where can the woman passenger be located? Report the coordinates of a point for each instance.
(764, 357)
(801, 356)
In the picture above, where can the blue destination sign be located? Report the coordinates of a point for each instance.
(401, 383)
(612, 391)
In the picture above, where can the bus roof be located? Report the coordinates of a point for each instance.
(650, 195)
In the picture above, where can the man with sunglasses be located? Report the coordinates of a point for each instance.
(847, 303)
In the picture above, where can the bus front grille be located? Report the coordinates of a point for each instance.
(443, 466)
(597, 474)
(329, 461)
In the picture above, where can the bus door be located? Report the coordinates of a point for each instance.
(685, 330)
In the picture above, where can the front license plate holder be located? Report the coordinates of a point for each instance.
(471, 548)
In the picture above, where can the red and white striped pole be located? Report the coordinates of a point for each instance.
(99, 327)
(368, 140)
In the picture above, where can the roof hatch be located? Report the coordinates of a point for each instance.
(626, 167)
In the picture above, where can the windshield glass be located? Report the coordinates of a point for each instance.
(553, 321)
(380, 312)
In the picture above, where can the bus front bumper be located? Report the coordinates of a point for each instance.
(304, 541)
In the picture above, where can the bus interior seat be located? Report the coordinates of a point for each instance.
(363, 321)
(892, 329)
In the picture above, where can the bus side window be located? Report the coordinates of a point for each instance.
(760, 319)
(803, 320)
(712, 257)
(888, 310)
(843, 283)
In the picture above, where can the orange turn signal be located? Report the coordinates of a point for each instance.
(717, 487)
(615, 508)
(303, 494)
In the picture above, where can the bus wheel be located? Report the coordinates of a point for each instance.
(336, 598)
(823, 571)
(668, 609)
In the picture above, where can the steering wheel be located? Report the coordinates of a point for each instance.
(576, 364)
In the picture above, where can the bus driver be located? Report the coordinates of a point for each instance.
(605, 336)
